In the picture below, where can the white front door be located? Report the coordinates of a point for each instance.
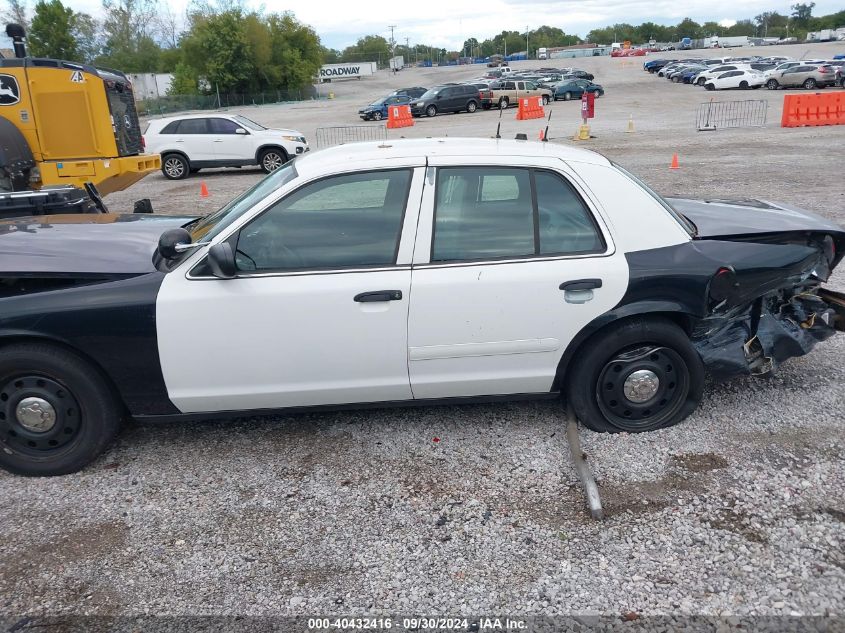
(317, 314)
(510, 264)
(228, 144)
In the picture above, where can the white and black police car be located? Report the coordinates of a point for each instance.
(437, 270)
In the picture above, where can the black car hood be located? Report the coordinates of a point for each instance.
(743, 218)
(105, 243)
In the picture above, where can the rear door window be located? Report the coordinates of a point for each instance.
(193, 126)
(497, 212)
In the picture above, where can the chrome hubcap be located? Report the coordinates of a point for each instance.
(35, 414)
(641, 385)
(272, 162)
(174, 167)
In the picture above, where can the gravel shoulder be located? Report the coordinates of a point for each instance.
(473, 509)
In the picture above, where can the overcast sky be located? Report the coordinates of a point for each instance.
(447, 23)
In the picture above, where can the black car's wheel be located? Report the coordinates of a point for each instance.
(809, 83)
(701, 81)
(709, 87)
(504, 102)
(472, 106)
(545, 100)
(642, 375)
(431, 111)
(567, 96)
(57, 413)
(377, 116)
(175, 166)
(743, 85)
(772, 84)
(271, 159)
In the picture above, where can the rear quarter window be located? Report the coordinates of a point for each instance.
(170, 128)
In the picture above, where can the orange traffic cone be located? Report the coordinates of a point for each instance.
(674, 164)
(203, 190)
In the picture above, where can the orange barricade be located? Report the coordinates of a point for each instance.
(399, 116)
(530, 108)
(813, 109)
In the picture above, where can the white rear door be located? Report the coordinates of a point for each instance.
(318, 311)
(509, 265)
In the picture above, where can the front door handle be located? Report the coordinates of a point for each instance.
(379, 295)
(581, 284)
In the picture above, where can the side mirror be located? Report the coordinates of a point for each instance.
(170, 240)
(240, 130)
(221, 260)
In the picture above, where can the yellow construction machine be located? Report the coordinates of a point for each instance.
(69, 133)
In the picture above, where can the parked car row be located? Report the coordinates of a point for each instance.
(750, 72)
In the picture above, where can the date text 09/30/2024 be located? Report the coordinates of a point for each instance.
(417, 624)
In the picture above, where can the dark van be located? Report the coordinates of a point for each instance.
(448, 98)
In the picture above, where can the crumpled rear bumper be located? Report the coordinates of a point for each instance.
(741, 344)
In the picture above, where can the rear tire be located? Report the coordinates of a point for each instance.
(58, 412)
(709, 87)
(472, 106)
(545, 100)
(175, 166)
(641, 375)
(567, 96)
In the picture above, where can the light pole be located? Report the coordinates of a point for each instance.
(526, 42)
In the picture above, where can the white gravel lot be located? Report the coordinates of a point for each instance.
(737, 511)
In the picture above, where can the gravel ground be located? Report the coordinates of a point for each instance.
(473, 509)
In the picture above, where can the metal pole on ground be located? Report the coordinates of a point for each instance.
(581, 466)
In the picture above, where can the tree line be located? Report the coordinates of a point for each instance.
(222, 45)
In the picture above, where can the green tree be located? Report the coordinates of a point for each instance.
(129, 44)
(801, 13)
(184, 81)
(217, 49)
(52, 31)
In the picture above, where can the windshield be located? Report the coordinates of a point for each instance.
(204, 229)
(683, 220)
(252, 125)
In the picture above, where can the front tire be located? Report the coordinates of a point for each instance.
(431, 111)
(743, 85)
(567, 96)
(377, 116)
(472, 106)
(58, 413)
(641, 375)
(709, 87)
(175, 166)
(504, 102)
(271, 159)
(772, 84)
(545, 100)
(809, 83)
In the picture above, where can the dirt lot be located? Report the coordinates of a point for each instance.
(739, 510)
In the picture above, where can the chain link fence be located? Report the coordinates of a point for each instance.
(160, 106)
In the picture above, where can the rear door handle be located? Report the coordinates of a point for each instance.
(581, 284)
(379, 295)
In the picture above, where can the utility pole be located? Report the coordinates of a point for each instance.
(392, 41)
(526, 42)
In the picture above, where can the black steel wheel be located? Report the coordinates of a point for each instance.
(640, 387)
(641, 375)
(56, 411)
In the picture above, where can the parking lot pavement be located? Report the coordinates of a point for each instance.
(474, 509)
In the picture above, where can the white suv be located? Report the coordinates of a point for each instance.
(190, 142)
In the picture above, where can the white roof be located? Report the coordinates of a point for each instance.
(344, 155)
